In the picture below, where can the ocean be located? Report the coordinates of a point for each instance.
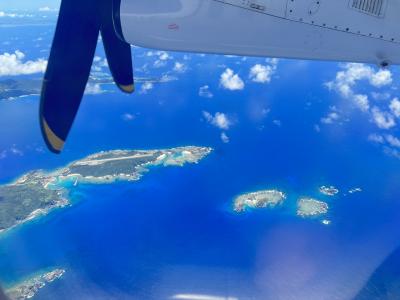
(173, 234)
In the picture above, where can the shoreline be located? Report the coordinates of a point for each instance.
(30, 285)
(61, 181)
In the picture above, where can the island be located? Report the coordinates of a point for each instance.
(29, 287)
(328, 190)
(308, 207)
(11, 88)
(259, 199)
(38, 192)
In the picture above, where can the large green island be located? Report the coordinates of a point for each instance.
(38, 192)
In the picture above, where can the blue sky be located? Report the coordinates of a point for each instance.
(27, 4)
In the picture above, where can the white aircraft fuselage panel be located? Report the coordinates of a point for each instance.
(342, 30)
(270, 7)
(373, 18)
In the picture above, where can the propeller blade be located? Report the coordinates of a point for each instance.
(118, 52)
(68, 69)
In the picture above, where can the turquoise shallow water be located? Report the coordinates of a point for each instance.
(173, 232)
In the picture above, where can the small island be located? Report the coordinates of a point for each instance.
(259, 199)
(328, 190)
(38, 192)
(29, 287)
(309, 207)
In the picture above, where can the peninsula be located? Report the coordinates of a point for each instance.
(38, 192)
(29, 287)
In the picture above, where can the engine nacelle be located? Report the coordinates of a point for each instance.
(343, 30)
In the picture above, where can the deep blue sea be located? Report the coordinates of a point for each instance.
(173, 233)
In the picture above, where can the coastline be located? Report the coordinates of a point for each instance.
(27, 287)
(61, 181)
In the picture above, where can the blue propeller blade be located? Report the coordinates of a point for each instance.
(70, 61)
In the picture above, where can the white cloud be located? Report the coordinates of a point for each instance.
(361, 101)
(376, 138)
(224, 138)
(13, 150)
(93, 89)
(393, 141)
(219, 120)
(380, 96)
(262, 74)
(231, 81)
(163, 55)
(128, 117)
(381, 78)
(179, 67)
(395, 107)
(12, 15)
(167, 78)
(12, 64)
(46, 8)
(146, 86)
(390, 143)
(331, 117)
(159, 63)
(383, 120)
(205, 92)
(162, 58)
(277, 123)
(346, 82)
(354, 72)
(392, 152)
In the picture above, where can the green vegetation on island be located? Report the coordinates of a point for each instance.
(38, 192)
(308, 207)
(29, 287)
(258, 199)
(305, 206)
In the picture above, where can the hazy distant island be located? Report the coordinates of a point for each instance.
(308, 207)
(29, 287)
(11, 89)
(328, 190)
(259, 199)
(38, 192)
